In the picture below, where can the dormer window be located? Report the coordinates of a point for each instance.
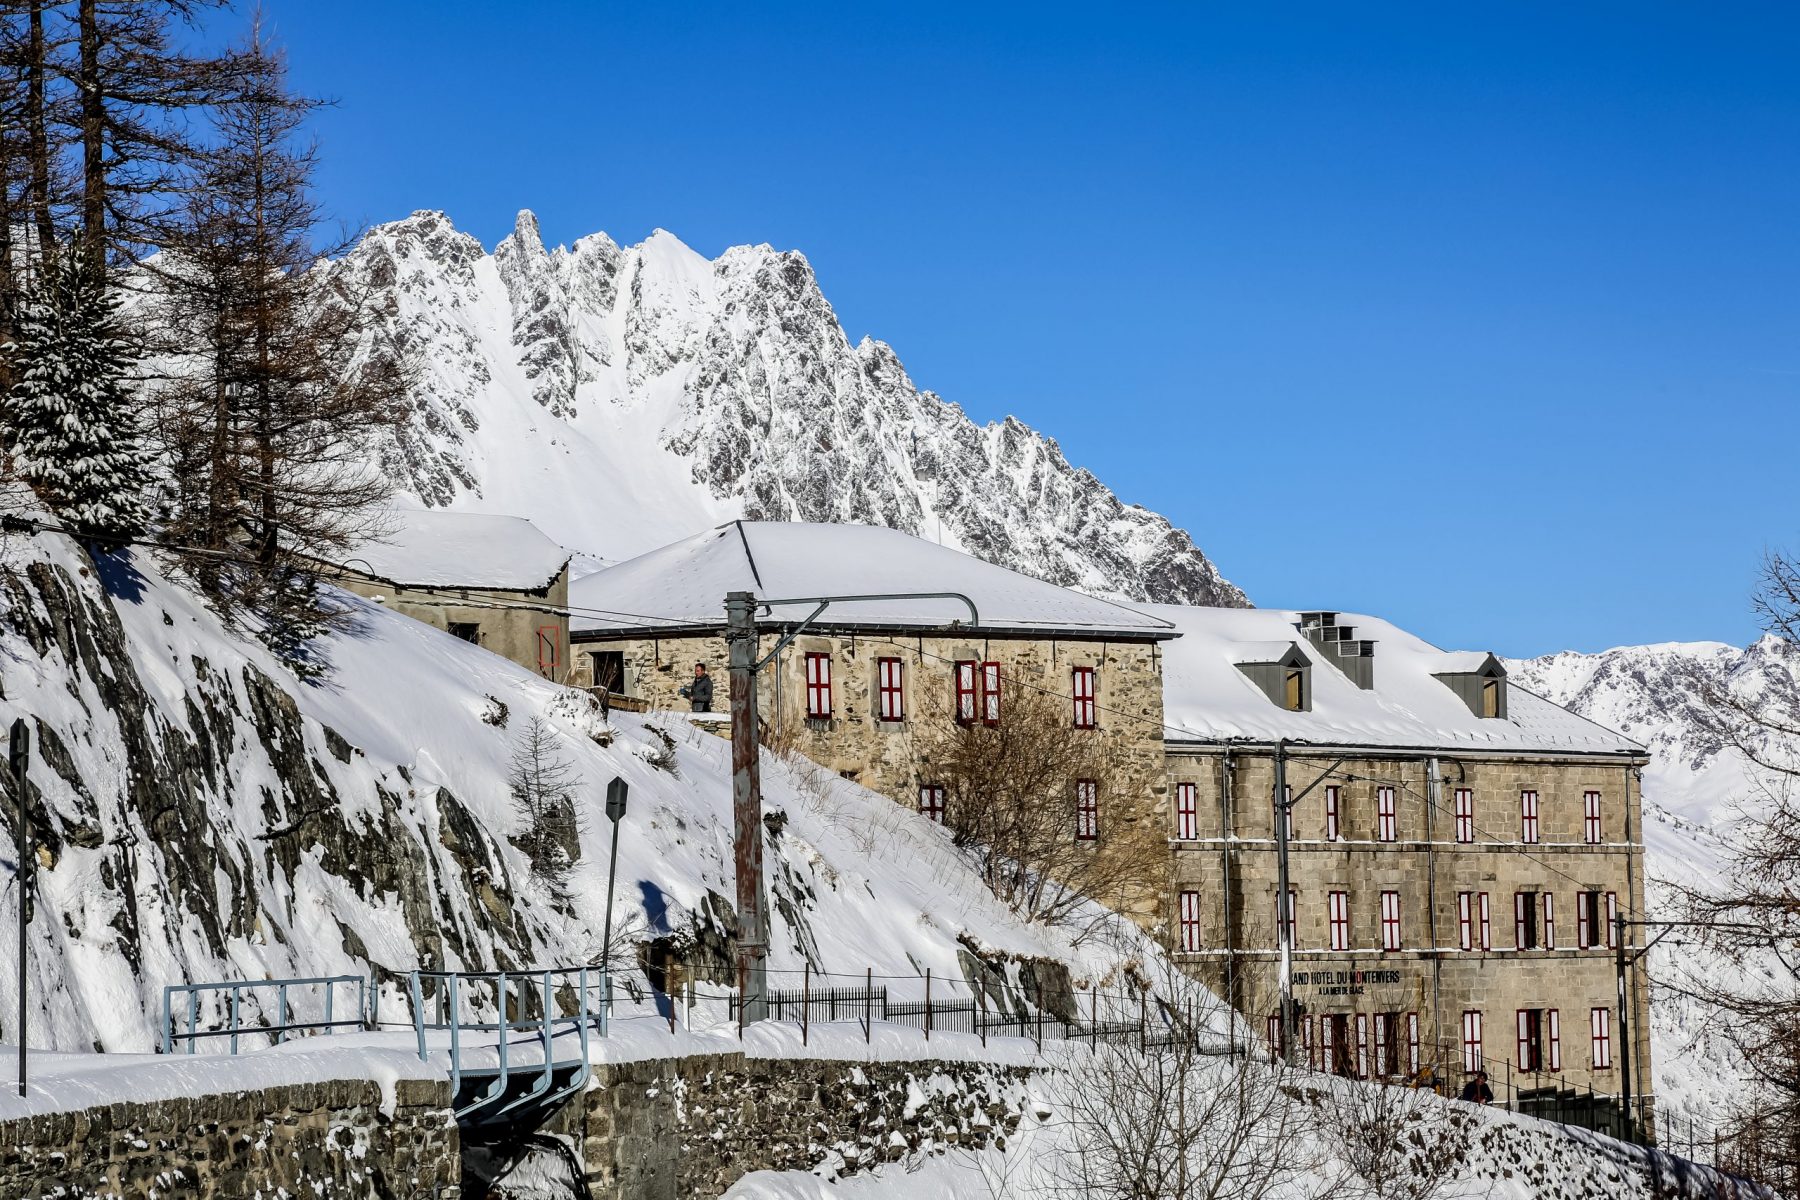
(1480, 684)
(1285, 676)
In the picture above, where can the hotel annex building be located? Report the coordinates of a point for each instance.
(1458, 847)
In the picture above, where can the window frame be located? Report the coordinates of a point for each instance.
(1525, 924)
(1086, 709)
(1390, 921)
(1187, 812)
(818, 685)
(964, 682)
(1549, 923)
(1592, 828)
(1087, 810)
(1188, 921)
(1471, 1040)
(1465, 816)
(1465, 919)
(1362, 1045)
(890, 689)
(1487, 923)
(931, 802)
(1293, 918)
(1412, 1043)
(1387, 817)
(1600, 1038)
(1337, 917)
(1529, 830)
(1612, 926)
(1333, 816)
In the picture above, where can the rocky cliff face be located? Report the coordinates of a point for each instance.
(623, 397)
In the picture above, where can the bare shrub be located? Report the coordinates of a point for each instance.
(1010, 791)
(1396, 1143)
(1184, 1120)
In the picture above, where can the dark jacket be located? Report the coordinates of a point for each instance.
(1477, 1092)
(699, 693)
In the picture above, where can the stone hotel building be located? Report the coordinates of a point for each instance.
(1458, 847)
(1458, 851)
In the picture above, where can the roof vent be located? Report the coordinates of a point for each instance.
(1352, 655)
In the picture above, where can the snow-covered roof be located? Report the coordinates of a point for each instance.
(684, 584)
(1206, 698)
(435, 548)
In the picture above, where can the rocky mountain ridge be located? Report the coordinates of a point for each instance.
(623, 397)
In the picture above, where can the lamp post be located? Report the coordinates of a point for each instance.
(19, 759)
(616, 792)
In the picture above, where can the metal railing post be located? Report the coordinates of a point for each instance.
(193, 1018)
(928, 1004)
(806, 1003)
(234, 1018)
(418, 1007)
(168, 1041)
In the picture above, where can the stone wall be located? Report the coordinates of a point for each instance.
(662, 1129)
(506, 621)
(323, 1140)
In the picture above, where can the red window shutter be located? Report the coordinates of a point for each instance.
(1520, 901)
(1465, 815)
(1383, 1067)
(1528, 817)
(1487, 940)
(1600, 1030)
(1331, 814)
(1471, 1040)
(1465, 901)
(1524, 1058)
(1386, 818)
(1087, 810)
(965, 692)
(1362, 1045)
(1549, 921)
(1412, 1043)
(990, 693)
(1553, 1033)
(1187, 812)
(1590, 803)
(1275, 1035)
(1612, 915)
(1081, 688)
(1190, 921)
(1390, 920)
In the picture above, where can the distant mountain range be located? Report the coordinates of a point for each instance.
(623, 397)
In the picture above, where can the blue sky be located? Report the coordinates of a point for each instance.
(1482, 318)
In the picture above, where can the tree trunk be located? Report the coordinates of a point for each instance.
(38, 139)
(93, 140)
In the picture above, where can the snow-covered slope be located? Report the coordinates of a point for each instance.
(1697, 790)
(625, 397)
(201, 815)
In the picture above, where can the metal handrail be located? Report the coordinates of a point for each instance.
(451, 994)
(235, 1028)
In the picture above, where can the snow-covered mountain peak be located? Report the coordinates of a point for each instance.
(623, 397)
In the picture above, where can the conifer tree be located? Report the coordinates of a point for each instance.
(71, 416)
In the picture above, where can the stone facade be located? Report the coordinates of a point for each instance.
(690, 1127)
(529, 626)
(894, 757)
(319, 1139)
(1230, 866)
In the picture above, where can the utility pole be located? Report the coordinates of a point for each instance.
(746, 775)
(1284, 916)
(1624, 1024)
(19, 758)
(746, 805)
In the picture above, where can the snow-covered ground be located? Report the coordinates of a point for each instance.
(207, 817)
